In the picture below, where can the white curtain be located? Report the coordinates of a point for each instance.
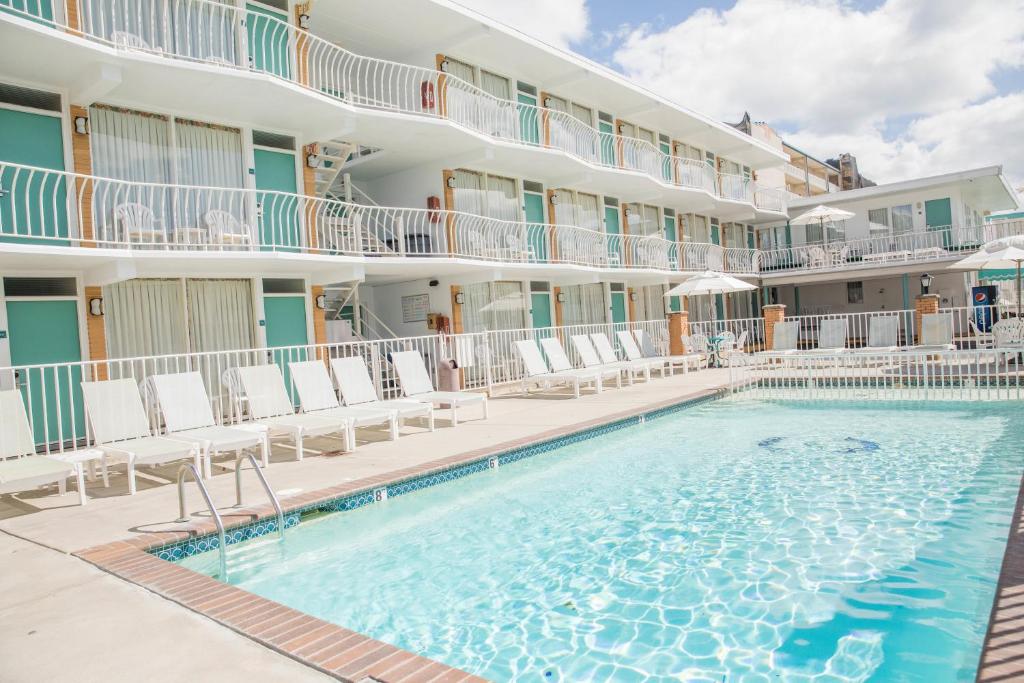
(461, 70)
(220, 316)
(493, 306)
(144, 318)
(468, 193)
(650, 225)
(209, 155)
(584, 305)
(495, 85)
(502, 199)
(584, 114)
(653, 300)
(130, 145)
(589, 212)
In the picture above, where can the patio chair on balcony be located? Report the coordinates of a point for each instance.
(357, 390)
(139, 224)
(417, 386)
(121, 429)
(648, 350)
(125, 40)
(560, 362)
(226, 230)
(20, 468)
(536, 371)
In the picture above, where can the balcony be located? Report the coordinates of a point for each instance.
(48, 213)
(202, 32)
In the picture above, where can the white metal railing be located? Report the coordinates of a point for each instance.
(961, 375)
(736, 188)
(62, 208)
(933, 244)
(249, 38)
(53, 399)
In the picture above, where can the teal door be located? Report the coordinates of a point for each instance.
(268, 33)
(938, 215)
(607, 134)
(279, 215)
(537, 229)
(45, 331)
(666, 161)
(613, 229)
(716, 237)
(33, 206)
(529, 121)
(38, 10)
(670, 228)
(285, 318)
(618, 307)
(540, 309)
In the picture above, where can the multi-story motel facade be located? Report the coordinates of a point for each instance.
(188, 176)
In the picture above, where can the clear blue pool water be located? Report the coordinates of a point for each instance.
(734, 541)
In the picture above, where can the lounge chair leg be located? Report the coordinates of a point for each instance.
(430, 419)
(131, 475)
(486, 408)
(80, 476)
(455, 416)
(62, 486)
(207, 456)
(265, 450)
(393, 427)
(298, 444)
(350, 437)
(576, 389)
(103, 466)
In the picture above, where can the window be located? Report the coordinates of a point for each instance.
(878, 220)
(484, 195)
(494, 306)
(495, 85)
(584, 305)
(902, 219)
(854, 292)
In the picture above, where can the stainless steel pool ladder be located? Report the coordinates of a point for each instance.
(266, 487)
(183, 516)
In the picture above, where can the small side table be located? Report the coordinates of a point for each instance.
(81, 457)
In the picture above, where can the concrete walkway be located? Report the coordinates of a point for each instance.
(63, 619)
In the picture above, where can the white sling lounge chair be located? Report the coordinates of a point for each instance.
(317, 397)
(185, 406)
(536, 370)
(121, 429)
(784, 339)
(592, 359)
(357, 390)
(883, 335)
(649, 351)
(416, 384)
(632, 351)
(269, 405)
(560, 363)
(831, 337)
(20, 468)
(936, 333)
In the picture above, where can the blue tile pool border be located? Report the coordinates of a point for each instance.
(179, 550)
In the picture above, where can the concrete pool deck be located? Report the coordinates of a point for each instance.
(55, 608)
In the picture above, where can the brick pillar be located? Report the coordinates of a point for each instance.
(678, 327)
(773, 313)
(925, 304)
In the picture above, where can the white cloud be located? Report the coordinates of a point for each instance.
(557, 22)
(842, 78)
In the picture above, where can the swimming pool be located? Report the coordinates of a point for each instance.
(736, 540)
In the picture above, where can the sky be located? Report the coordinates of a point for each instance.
(910, 87)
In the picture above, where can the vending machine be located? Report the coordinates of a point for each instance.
(984, 298)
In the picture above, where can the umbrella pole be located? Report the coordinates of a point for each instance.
(1018, 290)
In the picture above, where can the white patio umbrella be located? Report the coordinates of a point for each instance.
(1005, 252)
(819, 215)
(710, 282)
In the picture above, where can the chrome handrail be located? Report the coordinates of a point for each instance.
(183, 516)
(266, 487)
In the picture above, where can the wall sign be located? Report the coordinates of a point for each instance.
(415, 307)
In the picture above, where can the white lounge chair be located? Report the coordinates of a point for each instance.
(121, 429)
(936, 333)
(982, 340)
(20, 468)
(357, 390)
(648, 350)
(592, 359)
(784, 339)
(560, 362)
(269, 405)
(883, 335)
(182, 400)
(416, 384)
(831, 337)
(537, 372)
(632, 351)
(317, 397)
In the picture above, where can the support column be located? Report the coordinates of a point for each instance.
(631, 304)
(447, 177)
(556, 291)
(924, 304)
(319, 316)
(96, 332)
(309, 189)
(773, 313)
(678, 327)
(82, 158)
(302, 42)
(549, 202)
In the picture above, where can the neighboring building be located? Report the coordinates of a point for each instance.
(849, 177)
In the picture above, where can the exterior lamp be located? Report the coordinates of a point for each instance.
(561, 297)
(304, 21)
(632, 296)
(460, 298)
(96, 306)
(81, 125)
(321, 301)
(926, 282)
(313, 161)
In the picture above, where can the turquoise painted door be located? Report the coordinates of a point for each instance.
(666, 162)
(533, 209)
(285, 318)
(540, 309)
(279, 215)
(613, 228)
(529, 122)
(607, 134)
(33, 207)
(268, 33)
(618, 307)
(45, 332)
(938, 215)
(38, 10)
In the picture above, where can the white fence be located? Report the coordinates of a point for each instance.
(52, 393)
(242, 37)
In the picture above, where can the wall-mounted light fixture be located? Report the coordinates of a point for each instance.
(632, 296)
(547, 102)
(554, 198)
(321, 301)
(926, 282)
(313, 160)
(443, 65)
(81, 125)
(96, 306)
(303, 21)
(560, 297)
(460, 298)
(450, 182)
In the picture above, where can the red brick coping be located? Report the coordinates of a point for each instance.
(332, 649)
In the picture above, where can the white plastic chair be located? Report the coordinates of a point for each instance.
(632, 351)
(139, 223)
(126, 40)
(121, 428)
(269, 405)
(416, 384)
(684, 360)
(537, 372)
(225, 229)
(560, 363)
(593, 358)
(316, 397)
(182, 400)
(733, 352)
(982, 340)
(357, 390)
